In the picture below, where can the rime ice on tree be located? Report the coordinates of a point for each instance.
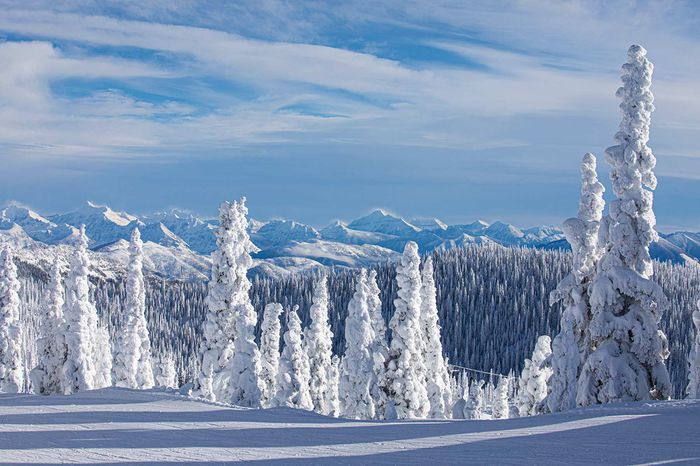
(230, 358)
(628, 361)
(269, 354)
(693, 388)
(318, 340)
(571, 346)
(293, 375)
(404, 380)
(357, 365)
(532, 388)
(11, 364)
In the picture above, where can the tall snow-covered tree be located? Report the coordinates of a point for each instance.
(501, 405)
(81, 329)
(693, 388)
(47, 376)
(437, 374)
(357, 365)
(133, 367)
(629, 350)
(571, 346)
(103, 356)
(230, 358)
(378, 349)
(293, 375)
(269, 354)
(532, 388)
(11, 364)
(318, 340)
(404, 378)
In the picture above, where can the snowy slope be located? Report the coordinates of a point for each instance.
(118, 426)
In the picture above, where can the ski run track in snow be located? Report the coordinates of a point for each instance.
(119, 426)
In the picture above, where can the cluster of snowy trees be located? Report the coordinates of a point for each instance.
(406, 377)
(368, 344)
(73, 347)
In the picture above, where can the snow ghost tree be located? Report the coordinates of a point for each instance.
(333, 384)
(318, 340)
(501, 408)
(293, 375)
(628, 355)
(81, 329)
(474, 407)
(46, 377)
(133, 367)
(693, 389)
(404, 379)
(165, 372)
(570, 346)
(230, 358)
(11, 365)
(378, 348)
(437, 374)
(269, 354)
(357, 365)
(103, 356)
(532, 388)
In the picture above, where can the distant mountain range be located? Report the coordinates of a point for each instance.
(178, 244)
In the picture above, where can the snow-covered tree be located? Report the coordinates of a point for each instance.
(357, 365)
(629, 350)
(269, 354)
(318, 340)
(571, 346)
(81, 329)
(693, 388)
(474, 406)
(378, 349)
(165, 373)
(437, 374)
(501, 408)
(532, 388)
(230, 358)
(103, 356)
(334, 385)
(404, 379)
(47, 377)
(133, 367)
(293, 375)
(11, 363)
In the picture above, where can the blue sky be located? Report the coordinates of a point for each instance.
(324, 110)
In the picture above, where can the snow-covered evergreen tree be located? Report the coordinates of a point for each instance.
(404, 379)
(269, 354)
(133, 367)
(357, 365)
(474, 406)
(437, 374)
(571, 346)
(103, 356)
(318, 341)
(81, 329)
(47, 376)
(334, 385)
(230, 358)
(501, 406)
(11, 363)
(378, 349)
(693, 388)
(164, 371)
(629, 350)
(293, 375)
(532, 388)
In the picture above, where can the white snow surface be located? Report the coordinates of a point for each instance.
(122, 426)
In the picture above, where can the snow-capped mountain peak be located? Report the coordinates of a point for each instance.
(429, 223)
(380, 221)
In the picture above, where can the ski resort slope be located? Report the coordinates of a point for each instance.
(118, 426)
